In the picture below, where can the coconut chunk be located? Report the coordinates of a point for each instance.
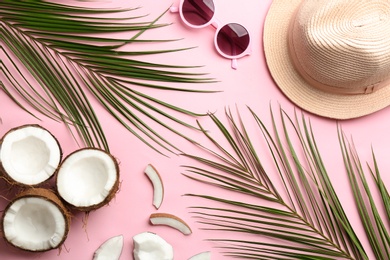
(88, 179)
(36, 220)
(29, 155)
(111, 249)
(158, 187)
(150, 246)
(170, 220)
(201, 256)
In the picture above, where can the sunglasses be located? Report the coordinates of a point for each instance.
(231, 40)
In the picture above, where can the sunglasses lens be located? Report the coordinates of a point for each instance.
(198, 12)
(233, 39)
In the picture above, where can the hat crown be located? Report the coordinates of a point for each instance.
(342, 46)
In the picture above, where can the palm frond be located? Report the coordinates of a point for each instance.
(368, 211)
(381, 187)
(72, 55)
(302, 219)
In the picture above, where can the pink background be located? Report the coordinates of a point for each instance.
(250, 85)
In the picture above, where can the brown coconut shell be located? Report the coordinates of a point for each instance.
(111, 194)
(48, 195)
(4, 173)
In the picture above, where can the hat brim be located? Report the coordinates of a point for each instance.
(336, 106)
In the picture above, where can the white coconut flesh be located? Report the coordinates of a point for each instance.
(170, 220)
(150, 246)
(111, 249)
(34, 224)
(87, 177)
(158, 187)
(30, 155)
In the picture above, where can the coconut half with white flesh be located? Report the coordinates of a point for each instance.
(88, 179)
(29, 155)
(36, 220)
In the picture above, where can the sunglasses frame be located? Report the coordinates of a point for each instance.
(218, 26)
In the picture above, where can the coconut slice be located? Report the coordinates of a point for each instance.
(150, 246)
(201, 256)
(29, 155)
(111, 249)
(36, 220)
(88, 179)
(158, 187)
(170, 220)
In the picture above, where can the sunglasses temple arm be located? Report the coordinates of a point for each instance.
(174, 9)
(234, 64)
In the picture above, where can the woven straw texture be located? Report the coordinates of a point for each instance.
(337, 48)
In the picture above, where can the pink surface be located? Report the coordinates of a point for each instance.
(249, 85)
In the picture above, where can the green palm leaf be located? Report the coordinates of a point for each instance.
(368, 211)
(72, 56)
(304, 219)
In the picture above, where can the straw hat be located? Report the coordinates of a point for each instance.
(330, 57)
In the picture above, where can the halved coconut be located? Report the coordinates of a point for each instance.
(88, 179)
(29, 155)
(36, 220)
